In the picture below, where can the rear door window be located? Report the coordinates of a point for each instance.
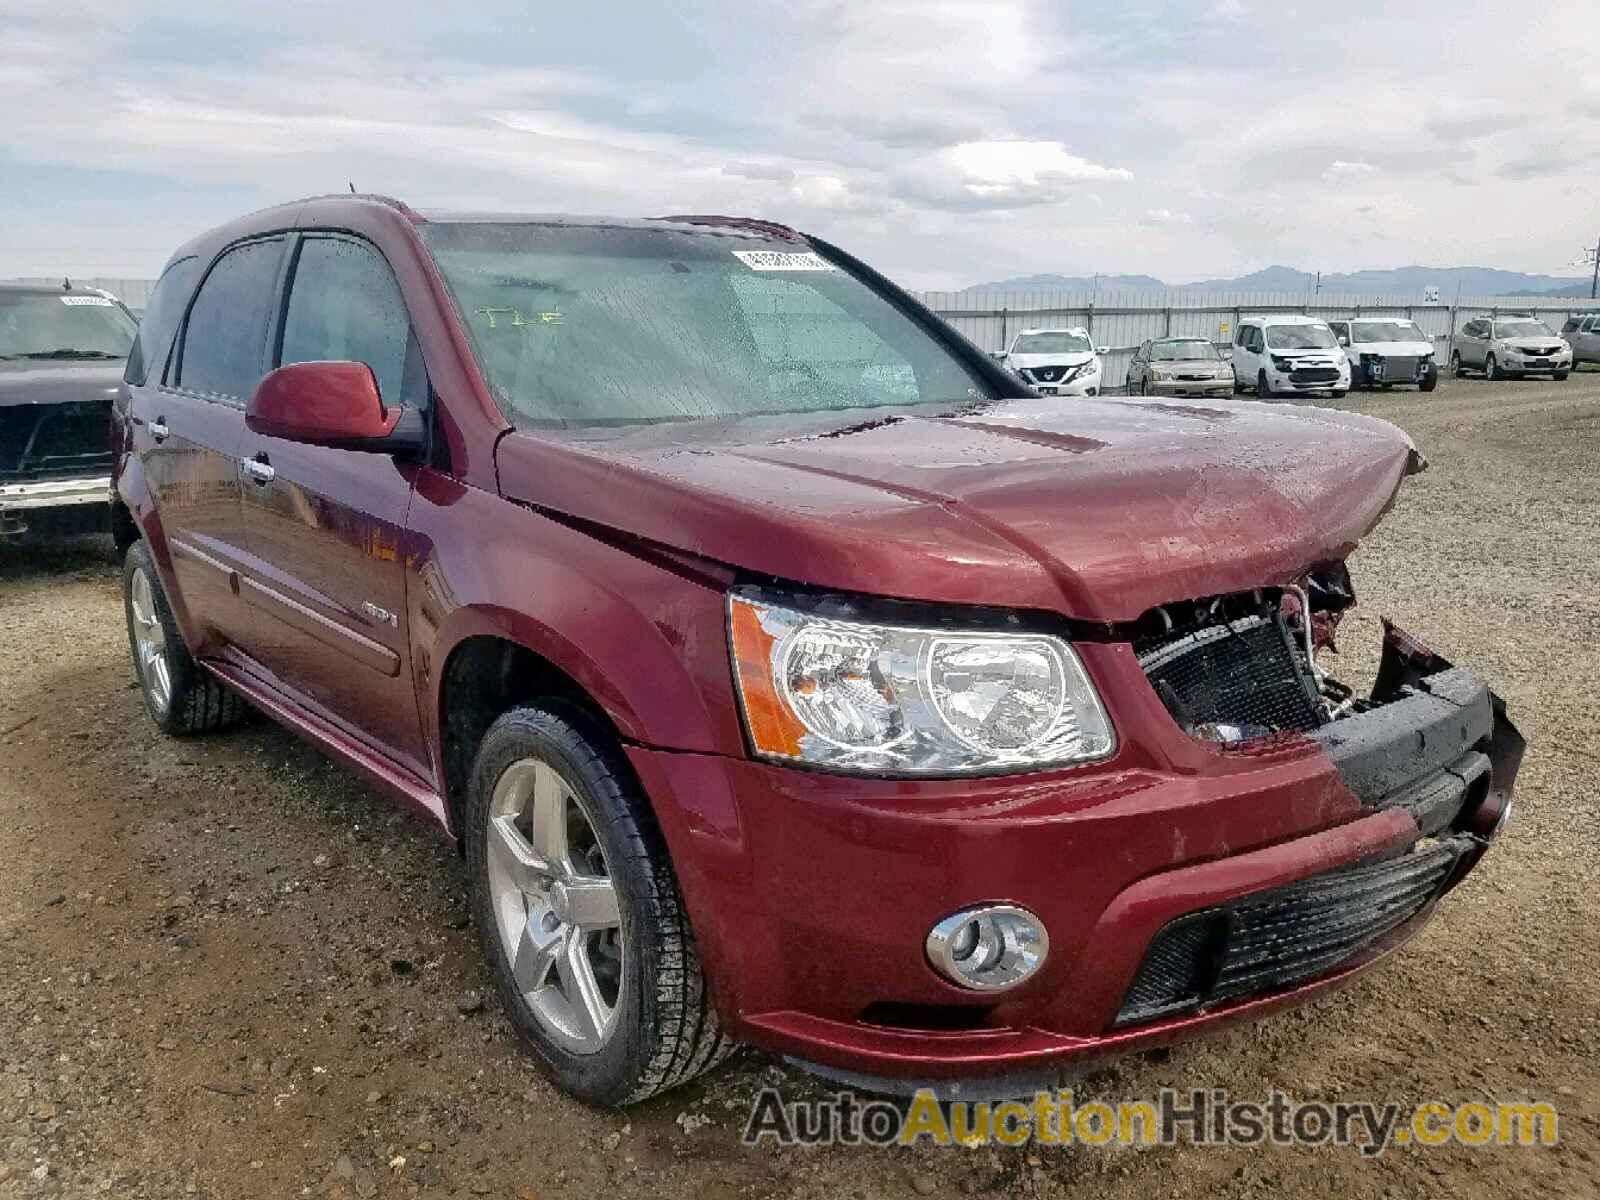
(224, 340)
(344, 305)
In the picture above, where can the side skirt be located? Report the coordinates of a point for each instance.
(417, 794)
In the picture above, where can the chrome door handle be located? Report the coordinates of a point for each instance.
(260, 470)
(158, 430)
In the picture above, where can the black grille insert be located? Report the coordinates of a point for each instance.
(1279, 938)
(1314, 375)
(1243, 673)
(41, 440)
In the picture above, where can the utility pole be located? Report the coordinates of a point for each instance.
(1594, 282)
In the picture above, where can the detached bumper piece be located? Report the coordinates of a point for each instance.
(1285, 936)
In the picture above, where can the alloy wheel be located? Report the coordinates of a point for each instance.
(150, 643)
(555, 907)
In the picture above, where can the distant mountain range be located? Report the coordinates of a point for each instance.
(1399, 281)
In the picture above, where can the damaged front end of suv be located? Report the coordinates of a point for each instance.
(1430, 741)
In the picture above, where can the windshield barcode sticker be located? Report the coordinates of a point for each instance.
(783, 260)
(97, 301)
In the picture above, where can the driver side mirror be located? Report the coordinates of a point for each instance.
(999, 355)
(334, 404)
(1343, 341)
(1102, 349)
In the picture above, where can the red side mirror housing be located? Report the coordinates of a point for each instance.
(332, 404)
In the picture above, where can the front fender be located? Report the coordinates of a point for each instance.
(646, 643)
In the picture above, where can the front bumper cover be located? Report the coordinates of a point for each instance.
(54, 493)
(811, 894)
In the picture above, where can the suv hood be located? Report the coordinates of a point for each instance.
(1099, 511)
(1075, 359)
(47, 381)
(1390, 349)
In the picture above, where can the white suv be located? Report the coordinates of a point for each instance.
(1056, 362)
(1286, 354)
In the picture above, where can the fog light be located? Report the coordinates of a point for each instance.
(989, 948)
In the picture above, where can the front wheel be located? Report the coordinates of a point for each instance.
(1456, 368)
(578, 911)
(1428, 382)
(1491, 369)
(180, 696)
(1560, 375)
(1263, 388)
(1340, 393)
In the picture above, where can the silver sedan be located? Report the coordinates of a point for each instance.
(1179, 367)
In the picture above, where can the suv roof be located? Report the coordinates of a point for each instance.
(1078, 329)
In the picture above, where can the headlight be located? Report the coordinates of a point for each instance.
(1161, 372)
(1283, 364)
(860, 696)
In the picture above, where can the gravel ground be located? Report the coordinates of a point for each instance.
(229, 969)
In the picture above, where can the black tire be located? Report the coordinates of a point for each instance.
(1340, 393)
(667, 1030)
(197, 701)
(1491, 369)
(1560, 375)
(1428, 382)
(1263, 388)
(1456, 368)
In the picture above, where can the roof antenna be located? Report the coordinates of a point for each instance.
(66, 285)
(352, 188)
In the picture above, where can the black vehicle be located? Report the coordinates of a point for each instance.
(62, 354)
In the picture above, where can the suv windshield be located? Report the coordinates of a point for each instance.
(1182, 349)
(1300, 337)
(63, 325)
(1386, 331)
(1051, 343)
(585, 325)
(1505, 329)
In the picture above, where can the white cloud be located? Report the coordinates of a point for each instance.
(945, 141)
(1340, 169)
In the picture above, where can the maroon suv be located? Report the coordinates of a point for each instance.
(788, 672)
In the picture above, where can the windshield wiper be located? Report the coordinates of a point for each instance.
(69, 352)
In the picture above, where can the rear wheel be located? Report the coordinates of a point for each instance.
(180, 696)
(578, 911)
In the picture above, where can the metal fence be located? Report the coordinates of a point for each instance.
(1122, 321)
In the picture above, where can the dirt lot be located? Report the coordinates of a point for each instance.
(228, 969)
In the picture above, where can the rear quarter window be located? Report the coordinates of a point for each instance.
(167, 302)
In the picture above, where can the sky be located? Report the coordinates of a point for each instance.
(946, 143)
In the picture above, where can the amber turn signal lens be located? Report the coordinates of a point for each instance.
(774, 729)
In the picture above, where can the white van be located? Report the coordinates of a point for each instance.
(1286, 354)
(1384, 351)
